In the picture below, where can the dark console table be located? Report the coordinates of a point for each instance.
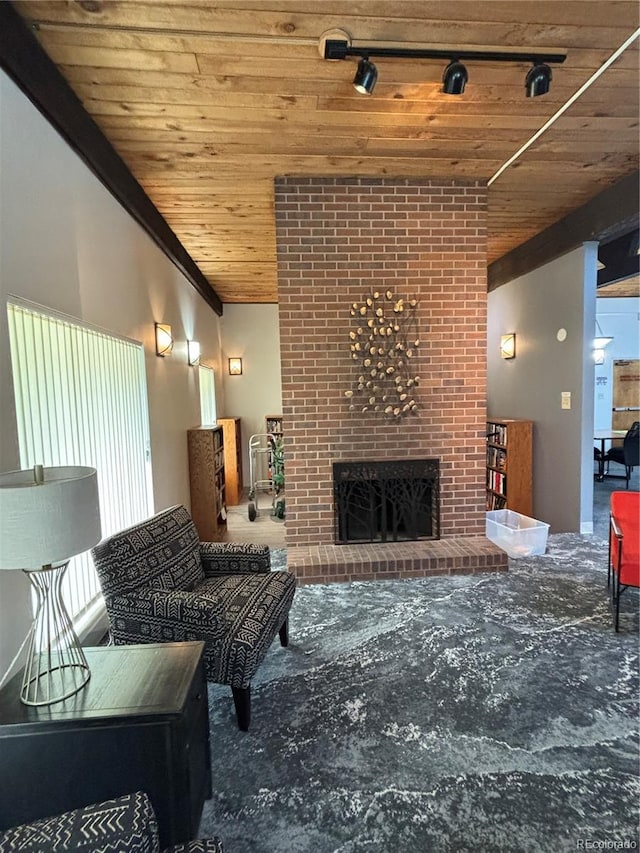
(141, 723)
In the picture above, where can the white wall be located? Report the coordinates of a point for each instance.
(619, 319)
(65, 243)
(253, 333)
(560, 294)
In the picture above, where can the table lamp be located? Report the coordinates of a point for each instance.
(47, 516)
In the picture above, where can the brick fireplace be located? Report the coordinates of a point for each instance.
(338, 240)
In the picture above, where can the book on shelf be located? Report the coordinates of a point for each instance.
(495, 501)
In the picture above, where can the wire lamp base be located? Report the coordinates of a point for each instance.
(56, 666)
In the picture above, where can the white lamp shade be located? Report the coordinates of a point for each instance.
(50, 522)
(601, 343)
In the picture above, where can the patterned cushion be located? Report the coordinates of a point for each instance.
(204, 845)
(160, 615)
(237, 617)
(126, 824)
(224, 558)
(255, 606)
(161, 552)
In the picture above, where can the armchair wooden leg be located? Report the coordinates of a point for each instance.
(242, 701)
(284, 632)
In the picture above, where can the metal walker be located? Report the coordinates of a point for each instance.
(262, 470)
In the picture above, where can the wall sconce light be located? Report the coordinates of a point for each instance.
(193, 353)
(598, 356)
(235, 367)
(164, 339)
(508, 345)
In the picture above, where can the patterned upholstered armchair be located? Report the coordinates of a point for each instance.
(126, 825)
(161, 584)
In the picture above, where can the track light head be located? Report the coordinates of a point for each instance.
(455, 78)
(538, 80)
(366, 76)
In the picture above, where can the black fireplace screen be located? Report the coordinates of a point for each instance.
(386, 501)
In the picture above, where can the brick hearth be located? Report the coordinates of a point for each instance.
(323, 563)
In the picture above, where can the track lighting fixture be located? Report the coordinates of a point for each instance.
(454, 78)
(538, 80)
(337, 44)
(366, 76)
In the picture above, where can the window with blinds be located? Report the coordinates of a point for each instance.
(81, 399)
(207, 395)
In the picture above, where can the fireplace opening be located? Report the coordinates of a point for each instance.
(387, 501)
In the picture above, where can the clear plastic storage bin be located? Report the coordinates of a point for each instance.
(518, 535)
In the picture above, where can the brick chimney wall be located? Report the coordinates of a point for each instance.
(338, 240)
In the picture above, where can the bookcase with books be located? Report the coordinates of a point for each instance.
(207, 482)
(274, 427)
(510, 465)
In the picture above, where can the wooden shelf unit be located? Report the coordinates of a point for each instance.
(232, 436)
(207, 481)
(274, 425)
(510, 465)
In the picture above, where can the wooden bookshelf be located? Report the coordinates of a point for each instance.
(274, 425)
(232, 436)
(207, 482)
(510, 465)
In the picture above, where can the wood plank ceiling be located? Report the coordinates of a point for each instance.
(207, 101)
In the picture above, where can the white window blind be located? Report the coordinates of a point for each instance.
(81, 399)
(207, 395)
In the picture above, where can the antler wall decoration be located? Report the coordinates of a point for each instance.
(384, 343)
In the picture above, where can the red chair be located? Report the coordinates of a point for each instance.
(624, 546)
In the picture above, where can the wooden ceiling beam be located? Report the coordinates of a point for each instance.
(611, 213)
(34, 73)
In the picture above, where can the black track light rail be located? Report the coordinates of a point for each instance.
(339, 49)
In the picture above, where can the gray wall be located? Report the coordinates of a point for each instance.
(65, 243)
(558, 295)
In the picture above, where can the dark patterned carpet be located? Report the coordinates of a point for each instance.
(445, 715)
